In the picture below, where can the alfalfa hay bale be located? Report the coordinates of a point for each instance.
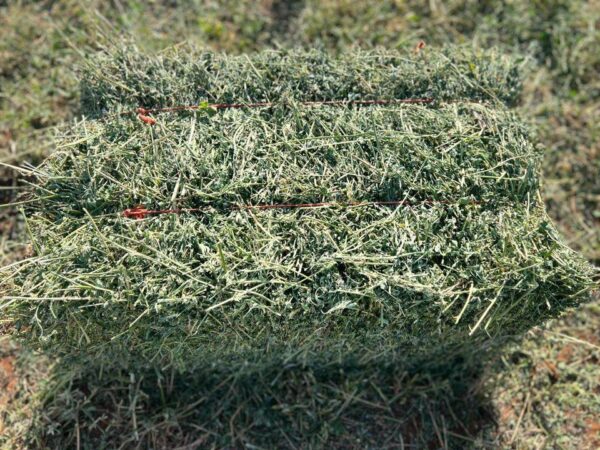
(464, 258)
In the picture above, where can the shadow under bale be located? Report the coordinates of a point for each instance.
(378, 403)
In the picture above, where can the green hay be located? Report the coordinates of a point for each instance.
(472, 252)
(128, 79)
(564, 36)
(296, 316)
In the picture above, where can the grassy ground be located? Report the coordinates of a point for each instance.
(547, 392)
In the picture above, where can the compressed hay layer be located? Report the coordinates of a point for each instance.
(472, 251)
(296, 154)
(128, 79)
(287, 278)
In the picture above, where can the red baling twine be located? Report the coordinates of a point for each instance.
(140, 212)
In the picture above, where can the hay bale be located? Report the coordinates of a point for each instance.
(126, 79)
(468, 259)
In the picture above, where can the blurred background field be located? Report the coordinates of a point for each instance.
(546, 392)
